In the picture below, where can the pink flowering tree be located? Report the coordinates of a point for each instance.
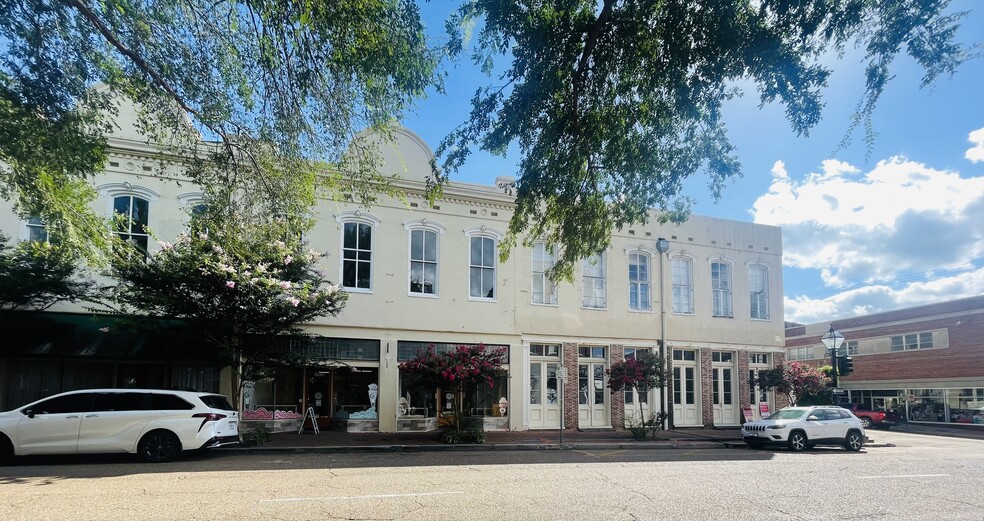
(642, 373)
(238, 286)
(795, 380)
(460, 370)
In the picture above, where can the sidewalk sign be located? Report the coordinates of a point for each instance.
(747, 413)
(314, 421)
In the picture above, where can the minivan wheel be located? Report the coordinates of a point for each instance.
(159, 446)
(797, 442)
(854, 441)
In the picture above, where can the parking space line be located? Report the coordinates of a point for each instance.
(906, 476)
(372, 496)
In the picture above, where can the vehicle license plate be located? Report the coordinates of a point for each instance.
(232, 425)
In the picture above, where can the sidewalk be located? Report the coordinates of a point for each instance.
(331, 441)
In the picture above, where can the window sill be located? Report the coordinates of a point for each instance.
(543, 305)
(479, 299)
(595, 309)
(641, 311)
(423, 295)
(363, 291)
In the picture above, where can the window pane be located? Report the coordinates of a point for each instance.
(476, 251)
(365, 237)
(351, 239)
(430, 246)
(417, 244)
(141, 210)
(348, 274)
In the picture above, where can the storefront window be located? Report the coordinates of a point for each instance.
(350, 393)
(927, 405)
(416, 398)
(966, 405)
(275, 398)
(494, 401)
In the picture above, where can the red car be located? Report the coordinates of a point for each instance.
(870, 418)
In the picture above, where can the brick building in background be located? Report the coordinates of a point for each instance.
(926, 362)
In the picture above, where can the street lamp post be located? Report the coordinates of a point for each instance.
(663, 246)
(832, 341)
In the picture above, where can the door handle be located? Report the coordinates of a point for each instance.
(91, 415)
(73, 416)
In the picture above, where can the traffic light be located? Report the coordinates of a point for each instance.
(845, 365)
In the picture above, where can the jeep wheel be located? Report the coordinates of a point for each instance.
(854, 441)
(865, 422)
(797, 442)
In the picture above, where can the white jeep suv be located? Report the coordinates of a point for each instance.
(800, 428)
(154, 423)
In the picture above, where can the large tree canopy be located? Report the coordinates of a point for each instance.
(281, 86)
(614, 103)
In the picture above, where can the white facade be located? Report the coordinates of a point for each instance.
(420, 284)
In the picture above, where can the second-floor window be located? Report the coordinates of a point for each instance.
(36, 231)
(593, 283)
(544, 290)
(481, 268)
(683, 286)
(132, 217)
(423, 262)
(912, 341)
(639, 282)
(721, 289)
(758, 292)
(357, 256)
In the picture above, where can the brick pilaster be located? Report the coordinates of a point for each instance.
(706, 388)
(570, 387)
(617, 400)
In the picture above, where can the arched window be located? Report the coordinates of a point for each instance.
(131, 217)
(482, 259)
(758, 291)
(543, 289)
(357, 252)
(721, 288)
(594, 283)
(640, 281)
(683, 285)
(424, 256)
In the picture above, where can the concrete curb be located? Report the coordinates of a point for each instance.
(668, 445)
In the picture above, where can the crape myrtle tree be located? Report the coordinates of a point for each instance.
(239, 285)
(460, 370)
(642, 373)
(278, 87)
(613, 104)
(35, 275)
(795, 380)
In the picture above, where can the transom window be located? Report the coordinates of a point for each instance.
(683, 287)
(801, 353)
(758, 292)
(591, 351)
(423, 262)
(684, 355)
(593, 282)
(721, 289)
(639, 282)
(482, 268)
(912, 341)
(544, 290)
(552, 350)
(357, 255)
(758, 358)
(132, 217)
(722, 356)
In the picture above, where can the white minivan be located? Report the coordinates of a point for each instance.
(156, 424)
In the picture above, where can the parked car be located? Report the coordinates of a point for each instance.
(871, 418)
(800, 428)
(153, 423)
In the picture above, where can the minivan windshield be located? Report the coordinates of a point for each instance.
(787, 414)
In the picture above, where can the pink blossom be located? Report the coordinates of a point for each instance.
(284, 284)
(294, 301)
(288, 259)
(230, 284)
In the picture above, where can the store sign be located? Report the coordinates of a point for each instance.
(764, 409)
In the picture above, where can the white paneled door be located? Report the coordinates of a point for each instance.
(544, 400)
(591, 396)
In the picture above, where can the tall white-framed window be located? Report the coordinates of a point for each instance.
(683, 285)
(758, 292)
(358, 229)
(721, 289)
(640, 282)
(36, 230)
(543, 289)
(482, 261)
(129, 205)
(593, 282)
(424, 256)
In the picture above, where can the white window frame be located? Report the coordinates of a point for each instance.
(763, 295)
(484, 232)
(30, 226)
(426, 226)
(587, 266)
(357, 217)
(633, 287)
(678, 288)
(548, 259)
(112, 191)
(719, 293)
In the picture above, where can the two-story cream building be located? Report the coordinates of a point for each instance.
(421, 275)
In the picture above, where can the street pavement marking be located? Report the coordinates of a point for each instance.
(374, 496)
(906, 476)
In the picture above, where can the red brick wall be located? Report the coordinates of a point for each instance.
(617, 399)
(570, 387)
(706, 388)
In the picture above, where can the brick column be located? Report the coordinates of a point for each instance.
(706, 389)
(744, 386)
(570, 387)
(617, 400)
(781, 400)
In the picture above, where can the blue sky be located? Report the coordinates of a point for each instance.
(862, 233)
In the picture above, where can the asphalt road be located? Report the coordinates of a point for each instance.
(920, 477)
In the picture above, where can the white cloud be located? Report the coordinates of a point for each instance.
(869, 227)
(877, 298)
(976, 153)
